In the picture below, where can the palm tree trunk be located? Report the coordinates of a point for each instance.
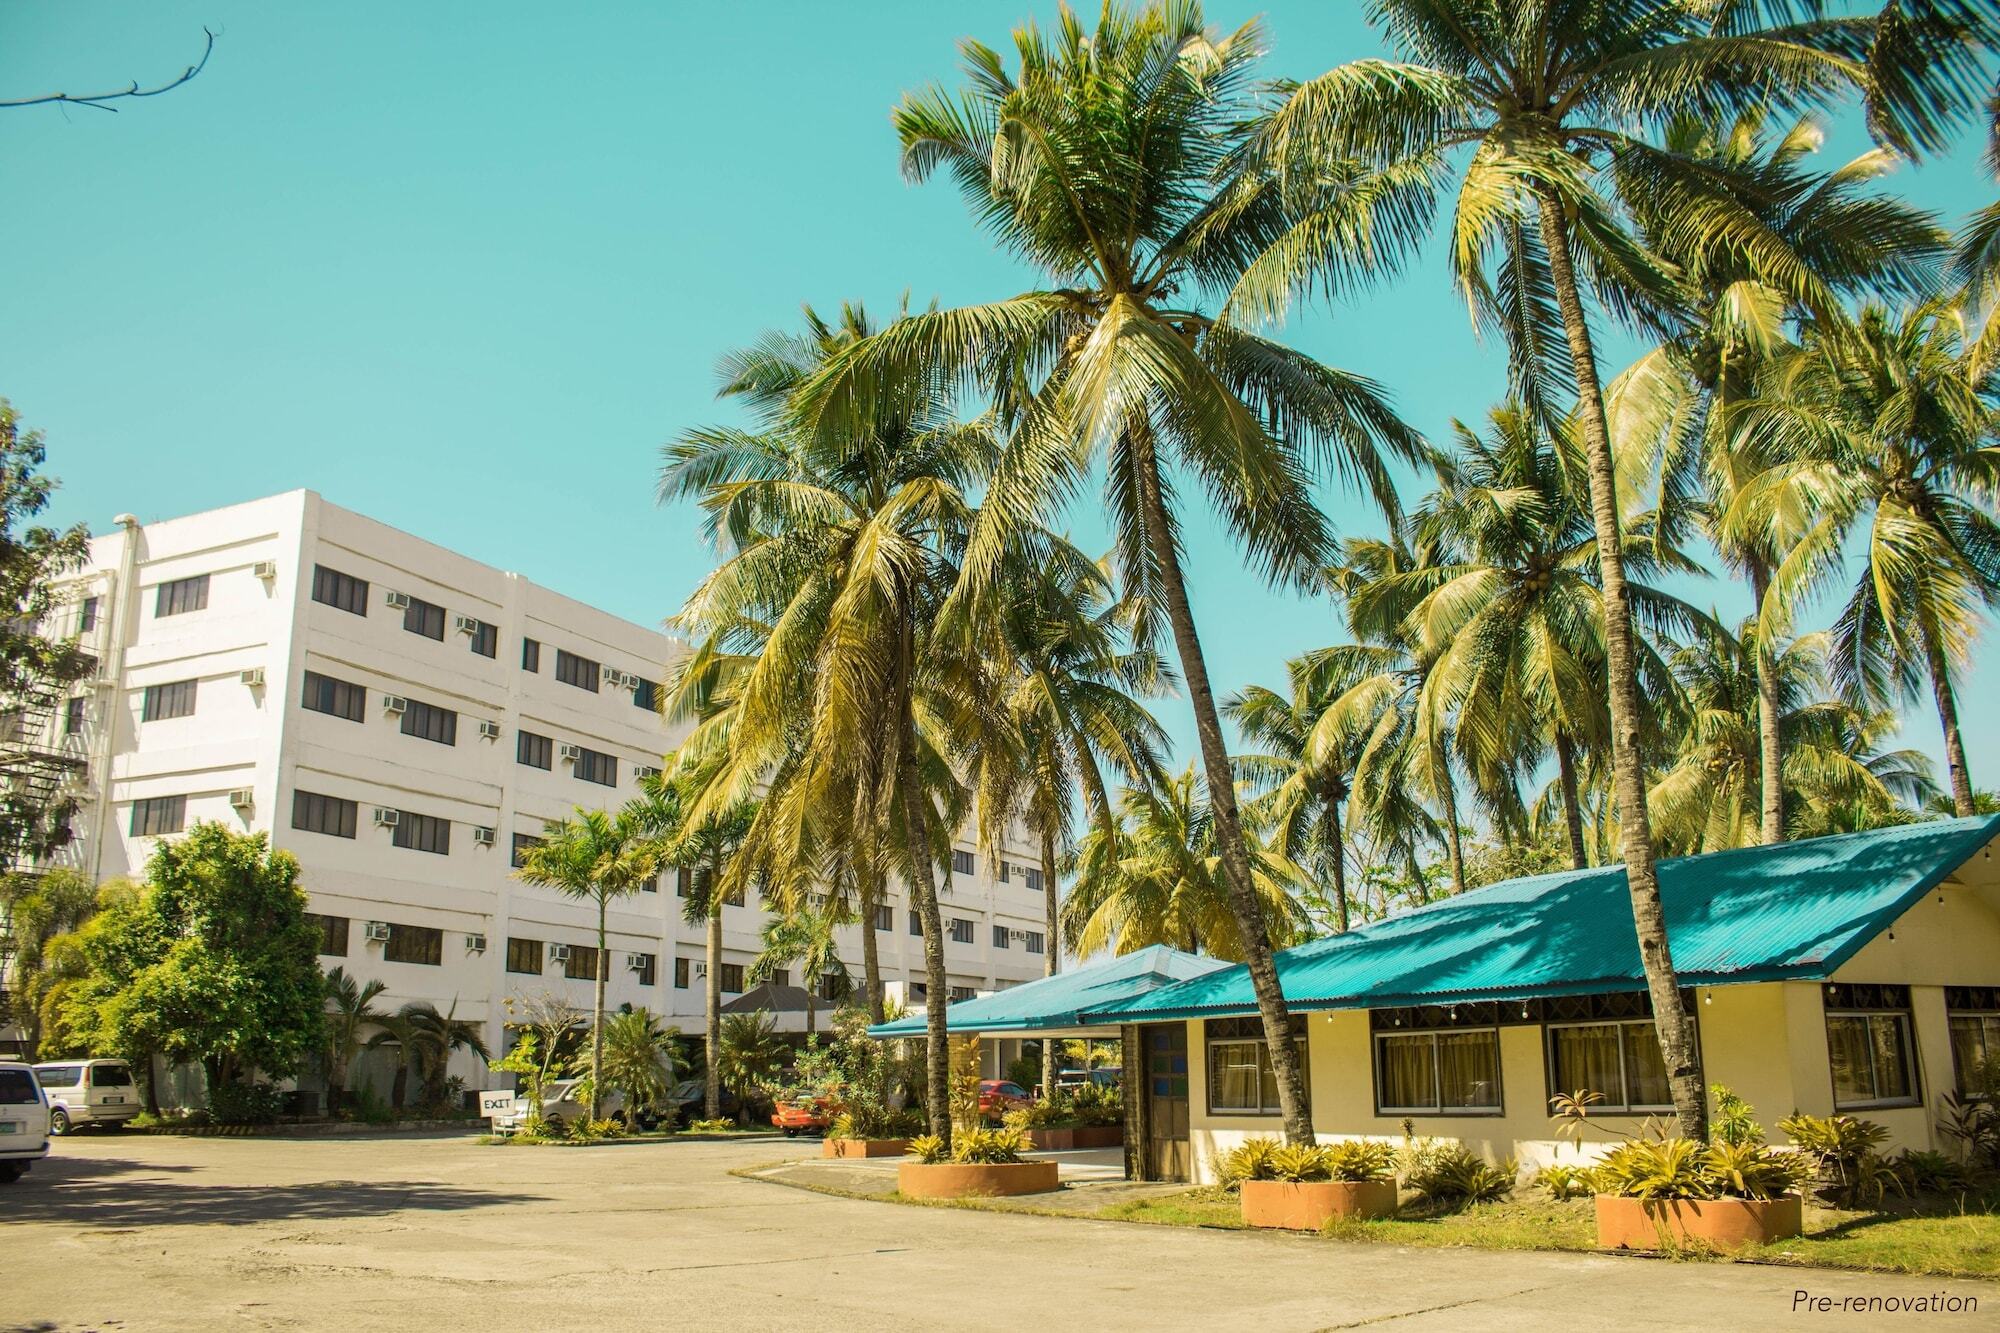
(1222, 798)
(923, 891)
(871, 958)
(1947, 707)
(1448, 794)
(1339, 850)
(597, 1015)
(712, 1036)
(1579, 857)
(1770, 747)
(1635, 831)
(1051, 928)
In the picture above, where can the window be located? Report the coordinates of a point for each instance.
(324, 814)
(961, 930)
(1607, 1044)
(59, 1076)
(578, 671)
(425, 618)
(781, 976)
(156, 816)
(732, 978)
(110, 1076)
(181, 596)
(73, 713)
(423, 945)
(961, 993)
(332, 934)
(422, 833)
(682, 972)
(522, 842)
(1001, 867)
(1034, 878)
(1240, 1078)
(342, 591)
(885, 917)
(582, 963)
(918, 992)
(324, 694)
(999, 936)
(646, 695)
(916, 924)
(17, 1088)
(428, 722)
(963, 864)
(1034, 942)
(593, 766)
(165, 701)
(1868, 1042)
(833, 986)
(1439, 1068)
(531, 655)
(534, 751)
(86, 619)
(524, 956)
(485, 639)
(683, 881)
(1972, 1014)
(648, 970)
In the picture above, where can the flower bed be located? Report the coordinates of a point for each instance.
(1720, 1224)
(1303, 1186)
(968, 1180)
(1308, 1205)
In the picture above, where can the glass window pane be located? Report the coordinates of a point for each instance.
(1586, 1058)
(1469, 1069)
(1645, 1067)
(1233, 1076)
(1847, 1047)
(1968, 1047)
(1406, 1073)
(1888, 1034)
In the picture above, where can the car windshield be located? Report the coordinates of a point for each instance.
(17, 1088)
(110, 1076)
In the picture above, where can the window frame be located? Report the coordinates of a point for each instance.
(1249, 1032)
(595, 766)
(574, 963)
(1849, 1003)
(649, 973)
(341, 591)
(530, 746)
(522, 842)
(727, 972)
(429, 722)
(885, 917)
(331, 929)
(521, 950)
(485, 639)
(426, 942)
(179, 597)
(177, 695)
(306, 804)
(1624, 1106)
(1439, 1111)
(437, 830)
(999, 936)
(334, 692)
(1978, 1005)
(963, 862)
(157, 805)
(683, 973)
(583, 669)
(420, 616)
(531, 655)
(964, 930)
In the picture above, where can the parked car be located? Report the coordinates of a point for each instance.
(998, 1096)
(1107, 1076)
(687, 1099)
(96, 1093)
(807, 1117)
(562, 1108)
(24, 1120)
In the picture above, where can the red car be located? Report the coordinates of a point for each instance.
(998, 1096)
(803, 1117)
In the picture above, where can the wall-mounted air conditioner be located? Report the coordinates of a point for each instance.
(398, 601)
(475, 942)
(265, 569)
(559, 953)
(395, 703)
(242, 798)
(635, 962)
(701, 969)
(482, 836)
(253, 677)
(489, 730)
(645, 771)
(568, 753)
(465, 624)
(377, 932)
(615, 679)
(387, 818)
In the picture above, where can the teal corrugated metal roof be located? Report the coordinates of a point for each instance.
(1056, 1002)
(1795, 910)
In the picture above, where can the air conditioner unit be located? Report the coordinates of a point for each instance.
(568, 753)
(644, 771)
(482, 836)
(635, 962)
(398, 601)
(242, 798)
(559, 953)
(475, 942)
(1018, 935)
(265, 569)
(701, 969)
(465, 624)
(387, 818)
(395, 703)
(488, 730)
(615, 679)
(378, 932)
(254, 678)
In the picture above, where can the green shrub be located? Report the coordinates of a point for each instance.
(1025, 1070)
(719, 1126)
(244, 1103)
(973, 1147)
(1248, 1160)
(1567, 1182)
(1456, 1175)
(1662, 1166)
(1935, 1172)
(868, 1121)
(1055, 1112)
(928, 1149)
(1734, 1121)
(1847, 1168)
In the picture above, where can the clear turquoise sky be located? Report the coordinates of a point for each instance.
(464, 267)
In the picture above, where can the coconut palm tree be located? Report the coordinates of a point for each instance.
(595, 856)
(1887, 431)
(350, 1008)
(641, 1060)
(1976, 262)
(1156, 877)
(433, 1037)
(1550, 98)
(1106, 158)
(804, 938)
(752, 1052)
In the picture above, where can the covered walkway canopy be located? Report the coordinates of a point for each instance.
(1055, 1003)
(1793, 911)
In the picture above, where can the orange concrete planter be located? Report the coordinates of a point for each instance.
(1308, 1205)
(864, 1147)
(1081, 1136)
(1722, 1224)
(965, 1180)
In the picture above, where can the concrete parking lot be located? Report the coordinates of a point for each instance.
(137, 1233)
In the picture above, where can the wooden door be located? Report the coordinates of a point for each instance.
(1167, 1154)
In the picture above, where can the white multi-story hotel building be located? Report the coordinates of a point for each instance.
(403, 719)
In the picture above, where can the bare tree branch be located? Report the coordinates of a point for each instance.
(98, 100)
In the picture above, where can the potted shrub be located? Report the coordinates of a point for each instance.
(867, 1130)
(1091, 1117)
(1301, 1187)
(980, 1163)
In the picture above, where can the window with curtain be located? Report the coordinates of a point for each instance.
(1973, 1016)
(1621, 1061)
(1869, 1046)
(1240, 1078)
(1451, 1072)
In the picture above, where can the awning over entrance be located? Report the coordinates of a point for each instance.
(1054, 1003)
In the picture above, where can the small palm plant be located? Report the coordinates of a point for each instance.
(350, 1009)
(752, 1052)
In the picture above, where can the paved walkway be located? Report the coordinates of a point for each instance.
(397, 1233)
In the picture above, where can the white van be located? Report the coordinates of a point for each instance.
(24, 1121)
(88, 1092)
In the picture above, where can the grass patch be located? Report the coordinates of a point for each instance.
(1933, 1237)
(1195, 1208)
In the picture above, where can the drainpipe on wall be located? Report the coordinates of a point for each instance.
(124, 603)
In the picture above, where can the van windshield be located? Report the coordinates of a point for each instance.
(110, 1076)
(17, 1088)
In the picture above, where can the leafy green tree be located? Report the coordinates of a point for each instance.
(752, 1053)
(35, 909)
(595, 856)
(804, 938)
(641, 1060)
(350, 1011)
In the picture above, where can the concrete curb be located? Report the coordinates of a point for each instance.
(341, 1129)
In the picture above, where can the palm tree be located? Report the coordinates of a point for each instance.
(1156, 877)
(641, 1060)
(595, 856)
(1976, 262)
(1886, 430)
(432, 1038)
(349, 1009)
(750, 1056)
(1107, 160)
(805, 938)
(1549, 96)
